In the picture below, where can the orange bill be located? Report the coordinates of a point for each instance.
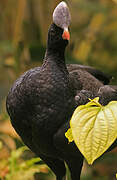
(66, 35)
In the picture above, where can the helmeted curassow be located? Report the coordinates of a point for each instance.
(42, 101)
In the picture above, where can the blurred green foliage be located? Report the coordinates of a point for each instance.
(23, 33)
(17, 166)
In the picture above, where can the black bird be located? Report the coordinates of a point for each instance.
(41, 102)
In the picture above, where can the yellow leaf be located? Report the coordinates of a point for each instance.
(68, 135)
(94, 128)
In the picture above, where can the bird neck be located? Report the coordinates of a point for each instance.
(54, 56)
(59, 53)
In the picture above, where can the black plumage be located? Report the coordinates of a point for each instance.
(41, 102)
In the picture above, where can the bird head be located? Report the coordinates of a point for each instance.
(62, 18)
(59, 35)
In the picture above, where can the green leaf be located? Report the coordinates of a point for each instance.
(94, 128)
(32, 161)
(68, 135)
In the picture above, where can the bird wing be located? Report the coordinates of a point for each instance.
(103, 77)
(82, 79)
(88, 82)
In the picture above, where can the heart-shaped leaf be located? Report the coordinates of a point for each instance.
(94, 128)
(68, 135)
